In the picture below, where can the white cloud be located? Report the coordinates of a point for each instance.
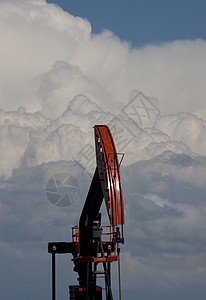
(41, 139)
(68, 80)
(187, 128)
(35, 35)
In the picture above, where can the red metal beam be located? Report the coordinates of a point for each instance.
(109, 173)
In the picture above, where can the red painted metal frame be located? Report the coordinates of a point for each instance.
(112, 256)
(109, 173)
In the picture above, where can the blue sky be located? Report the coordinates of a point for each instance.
(140, 21)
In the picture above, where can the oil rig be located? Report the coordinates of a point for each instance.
(94, 247)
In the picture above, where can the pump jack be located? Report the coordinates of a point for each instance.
(87, 247)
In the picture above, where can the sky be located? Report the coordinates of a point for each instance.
(141, 22)
(138, 67)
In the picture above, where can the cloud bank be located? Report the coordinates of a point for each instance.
(36, 35)
(57, 80)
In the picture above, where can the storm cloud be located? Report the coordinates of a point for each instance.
(57, 80)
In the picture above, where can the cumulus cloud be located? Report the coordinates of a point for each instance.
(187, 128)
(57, 80)
(36, 35)
(33, 139)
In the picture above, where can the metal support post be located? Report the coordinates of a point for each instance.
(53, 277)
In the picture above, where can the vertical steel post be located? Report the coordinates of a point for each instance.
(119, 273)
(109, 272)
(53, 277)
